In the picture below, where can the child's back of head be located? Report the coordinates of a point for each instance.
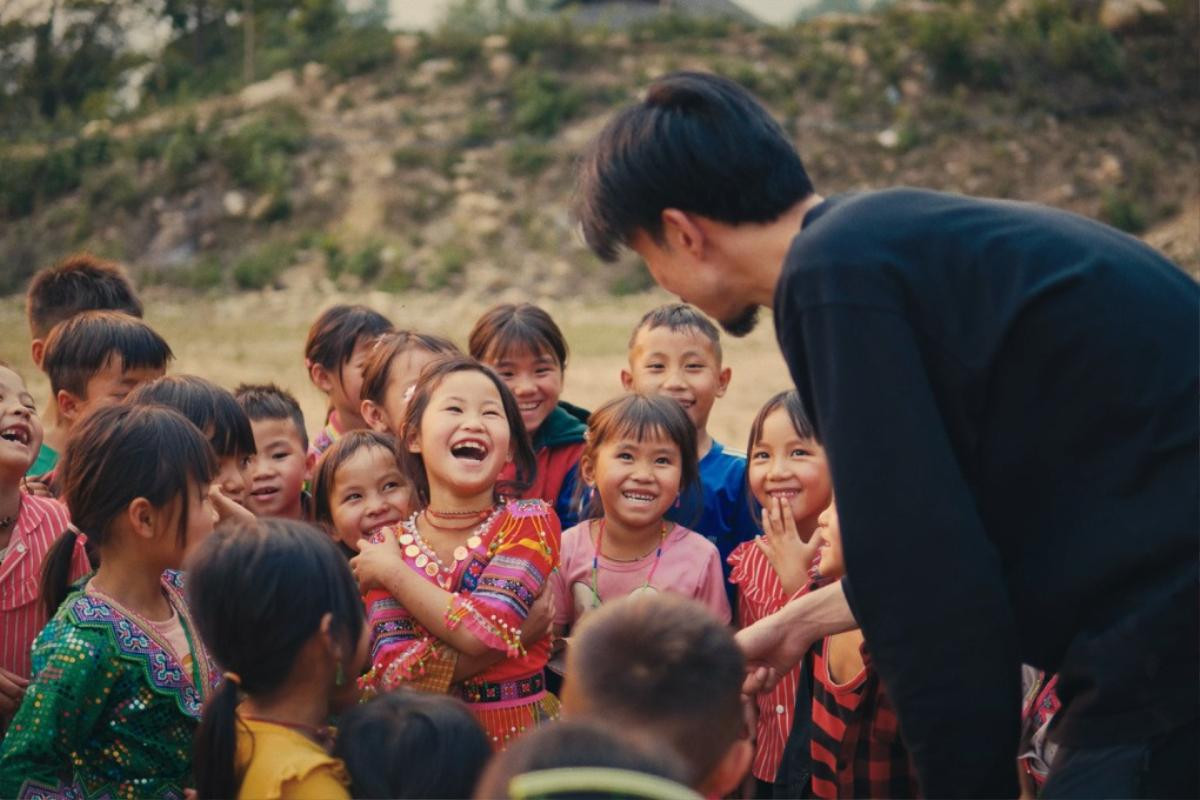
(78, 283)
(663, 665)
(586, 759)
(412, 744)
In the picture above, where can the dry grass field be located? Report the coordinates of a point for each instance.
(259, 336)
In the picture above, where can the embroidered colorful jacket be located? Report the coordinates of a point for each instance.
(110, 712)
(493, 590)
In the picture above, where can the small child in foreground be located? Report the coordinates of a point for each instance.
(338, 344)
(281, 465)
(279, 610)
(78, 283)
(528, 351)
(28, 527)
(359, 489)
(95, 359)
(119, 673)
(410, 744)
(676, 351)
(856, 747)
(791, 485)
(586, 759)
(662, 666)
(640, 455)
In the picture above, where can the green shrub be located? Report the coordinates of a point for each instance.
(366, 263)
(27, 180)
(185, 150)
(543, 103)
(551, 41)
(262, 266)
(529, 156)
(451, 263)
(482, 128)
(358, 49)
(1088, 48)
(945, 38)
(673, 25)
(1122, 209)
(258, 154)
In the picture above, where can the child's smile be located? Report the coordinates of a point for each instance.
(464, 436)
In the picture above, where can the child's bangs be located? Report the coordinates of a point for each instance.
(639, 427)
(516, 340)
(232, 435)
(139, 347)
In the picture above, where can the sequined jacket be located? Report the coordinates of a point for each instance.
(110, 711)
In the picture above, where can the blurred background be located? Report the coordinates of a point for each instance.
(252, 161)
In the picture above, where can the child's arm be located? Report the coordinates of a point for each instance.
(537, 626)
(498, 606)
(62, 706)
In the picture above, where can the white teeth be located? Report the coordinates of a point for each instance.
(638, 497)
(15, 434)
(470, 449)
(529, 406)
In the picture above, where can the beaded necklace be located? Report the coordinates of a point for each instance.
(426, 558)
(662, 537)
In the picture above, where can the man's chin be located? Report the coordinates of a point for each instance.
(743, 323)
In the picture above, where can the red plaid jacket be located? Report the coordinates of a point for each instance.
(856, 745)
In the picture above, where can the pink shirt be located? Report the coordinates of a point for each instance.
(690, 565)
(40, 522)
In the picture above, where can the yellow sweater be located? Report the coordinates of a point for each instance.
(278, 763)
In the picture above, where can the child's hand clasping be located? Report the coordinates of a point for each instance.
(789, 555)
(375, 560)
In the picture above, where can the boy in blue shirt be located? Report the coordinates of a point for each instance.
(676, 351)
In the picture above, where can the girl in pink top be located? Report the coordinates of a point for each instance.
(640, 453)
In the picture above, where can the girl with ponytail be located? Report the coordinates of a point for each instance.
(278, 608)
(119, 676)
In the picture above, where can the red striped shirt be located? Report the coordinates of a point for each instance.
(856, 745)
(760, 594)
(40, 522)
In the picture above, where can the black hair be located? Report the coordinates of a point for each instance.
(338, 330)
(511, 327)
(80, 282)
(677, 317)
(325, 474)
(578, 743)
(431, 746)
(696, 142)
(79, 347)
(413, 465)
(258, 592)
(211, 408)
(642, 416)
(377, 371)
(797, 414)
(267, 401)
(663, 664)
(114, 456)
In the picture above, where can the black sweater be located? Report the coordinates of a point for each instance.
(1008, 395)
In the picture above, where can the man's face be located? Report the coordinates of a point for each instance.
(697, 281)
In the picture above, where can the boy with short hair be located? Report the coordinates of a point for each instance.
(276, 475)
(80, 282)
(28, 526)
(676, 351)
(94, 359)
(662, 665)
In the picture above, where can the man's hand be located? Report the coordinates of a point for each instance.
(375, 560)
(789, 555)
(12, 690)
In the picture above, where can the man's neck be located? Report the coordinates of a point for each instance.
(760, 250)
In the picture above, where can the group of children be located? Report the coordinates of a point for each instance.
(455, 538)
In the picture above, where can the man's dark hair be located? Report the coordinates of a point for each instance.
(268, 401)
(697, 142)
(663, 665)
(80, 282)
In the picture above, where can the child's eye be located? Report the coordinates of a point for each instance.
(663, 461)
(625, 456)
(391, 485)
(245, 461)
(506, 375)
(455, 409)
(654, 365)
(800, 452)
(281, 455)
(760, 455)
(492, 413)
(352, 496)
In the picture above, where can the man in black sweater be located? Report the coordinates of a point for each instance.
(1008, 395)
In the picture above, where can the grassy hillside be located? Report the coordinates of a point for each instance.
(443, 162)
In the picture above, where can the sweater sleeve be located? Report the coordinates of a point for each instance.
(62, 706)
(924, 580)
(526, 551)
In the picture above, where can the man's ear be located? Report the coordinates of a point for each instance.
(69, 406)
(320, 377)
(37, 350)
(723, 381)
(730, 771)
(375, 416)
(682, 233)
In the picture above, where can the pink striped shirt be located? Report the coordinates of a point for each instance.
(40, 522)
